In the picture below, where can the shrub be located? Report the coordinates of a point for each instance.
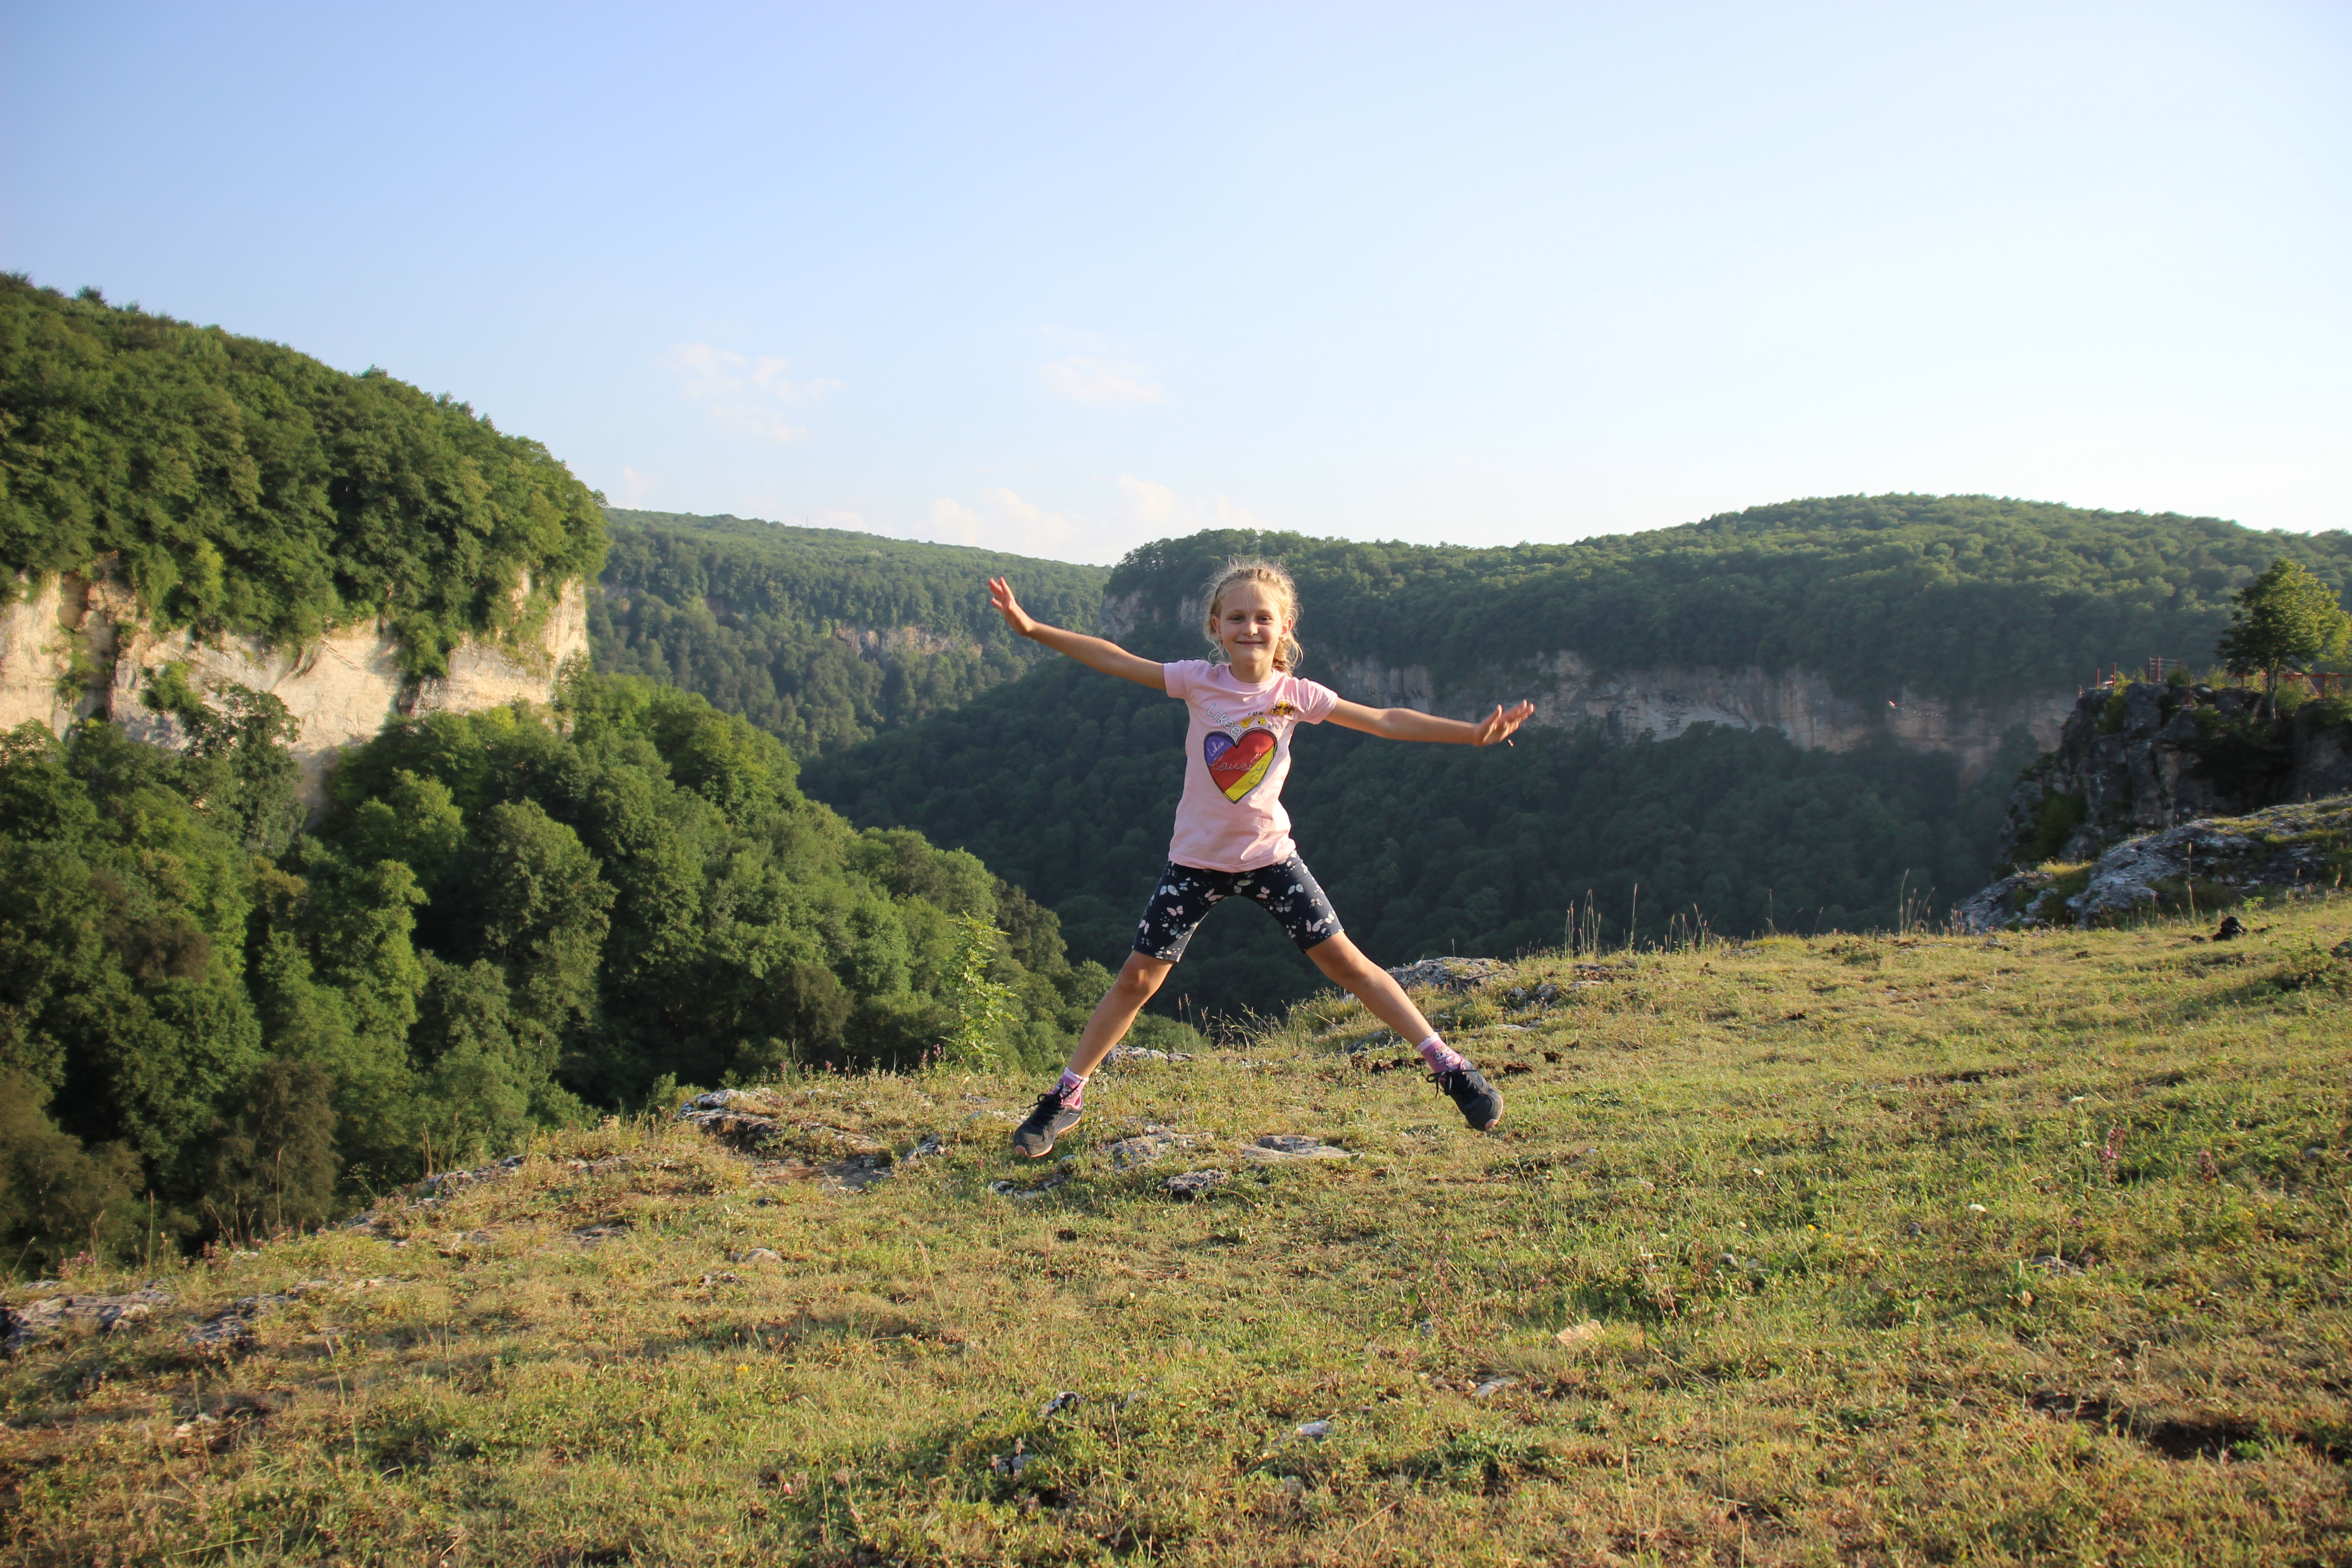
(57, 1198)
(2242, 754)
(2053, 824)
(273, 1165)
(2111, 717)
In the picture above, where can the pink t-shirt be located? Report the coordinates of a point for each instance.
(1236, 754)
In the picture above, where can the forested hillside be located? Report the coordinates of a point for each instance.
(213, 1023)
(1955, 596)
(1066, 782)
(513, 917)
(820, 637)
(1428, 850)
(248, 488)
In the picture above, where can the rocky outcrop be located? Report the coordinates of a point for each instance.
(2288, 850)
(761, 1123)
(74, 648)
(2142, 758)
(31, 1321)
(882, 642)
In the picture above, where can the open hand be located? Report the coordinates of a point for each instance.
(1000, 596)
(1498, 725)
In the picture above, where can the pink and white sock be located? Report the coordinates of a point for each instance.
(1441, 1057)
(1072, 1088)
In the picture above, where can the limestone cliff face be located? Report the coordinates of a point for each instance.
(1664, 701)
(880, 642)
(75, 647)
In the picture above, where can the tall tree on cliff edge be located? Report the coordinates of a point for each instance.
(2285, 619)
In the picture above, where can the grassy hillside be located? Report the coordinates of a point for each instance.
(820, 637)
(247, 488)
(1845, 1250)
(1957, 596)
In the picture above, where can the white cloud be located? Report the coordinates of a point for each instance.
(953, 522)
(1157, 512)
(1090, 378)
(743, 395)
(634, 486)
(1009, 522)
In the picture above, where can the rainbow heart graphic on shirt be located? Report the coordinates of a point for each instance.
(1238, 766)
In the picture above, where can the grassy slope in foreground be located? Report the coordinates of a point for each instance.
(1758, 1171)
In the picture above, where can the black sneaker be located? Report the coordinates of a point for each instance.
(1481, 1106)
(1053, 1117)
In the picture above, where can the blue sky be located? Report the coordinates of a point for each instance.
(1063, 279)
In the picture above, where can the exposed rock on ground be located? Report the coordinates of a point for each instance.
(1191, 1185)
(21, 1326)
(2290, 850)
(231, 1328)
(1154, 1143)
(1143, 1053)
(761, 1124)
(1019, 1193)
(448, 1182)
(1280, 1148)
(1448, 974)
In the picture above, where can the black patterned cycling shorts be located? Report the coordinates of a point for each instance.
(1287, 890)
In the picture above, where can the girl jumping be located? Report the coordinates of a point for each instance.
(1232, 836)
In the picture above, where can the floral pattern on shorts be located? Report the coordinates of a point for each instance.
(1286, 890)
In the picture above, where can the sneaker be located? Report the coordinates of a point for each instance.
(1481, 1106)
(1052, 1118)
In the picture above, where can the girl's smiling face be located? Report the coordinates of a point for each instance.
(1250, 626)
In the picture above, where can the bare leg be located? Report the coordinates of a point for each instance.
(1344, 964)
(1137, 978)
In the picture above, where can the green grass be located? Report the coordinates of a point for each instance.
(1759, 1248)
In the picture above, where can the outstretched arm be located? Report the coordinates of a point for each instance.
(1410, 724)
(1095, 653)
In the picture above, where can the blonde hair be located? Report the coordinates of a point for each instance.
(1275, 581)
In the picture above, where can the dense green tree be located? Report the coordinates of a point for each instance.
(2286, 618)
(126, 925)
